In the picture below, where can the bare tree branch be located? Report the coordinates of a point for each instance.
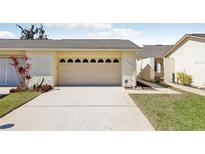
(29, 34)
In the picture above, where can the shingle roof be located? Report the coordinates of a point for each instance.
(69, 43)
(156, 51)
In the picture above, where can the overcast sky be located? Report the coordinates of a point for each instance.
(138, 33)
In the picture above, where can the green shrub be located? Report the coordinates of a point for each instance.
(157, 79)
(184, 78)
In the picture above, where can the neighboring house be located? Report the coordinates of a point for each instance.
(150, 65)
(187, 55)
(72, 61)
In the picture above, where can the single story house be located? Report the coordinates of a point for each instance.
(150, 63)
(70, 62)
(187, 55)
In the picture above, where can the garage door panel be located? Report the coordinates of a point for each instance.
(89, 74)
(8, 74)
(2, 70)
(12, 78)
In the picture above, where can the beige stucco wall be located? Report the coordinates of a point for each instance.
(45, 62)
(9, 53)
(145, 69)
(128, 65)
(89, 54)
(43, 66)
(190, 57)
(128, 68)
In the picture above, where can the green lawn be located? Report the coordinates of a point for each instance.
(14, 100)
(173, 112)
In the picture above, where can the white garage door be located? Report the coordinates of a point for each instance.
(8, 74)
(89, 71)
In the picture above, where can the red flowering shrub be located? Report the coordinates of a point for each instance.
(24, 76)
(42, 88)
(46, 88)
(22, 71)
(18, 89)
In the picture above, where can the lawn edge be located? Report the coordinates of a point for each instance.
(1, 116)
(141, 110)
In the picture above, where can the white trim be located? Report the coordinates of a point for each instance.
(6, 72)
(5, 56)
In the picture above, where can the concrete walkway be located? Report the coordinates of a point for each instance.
(156, 89)
(188, 89)
(78, 108)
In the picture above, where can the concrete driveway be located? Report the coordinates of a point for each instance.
(78, 108)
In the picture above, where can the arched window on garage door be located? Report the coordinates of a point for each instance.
(115, 61)
(93, 61)
(70, 61)
(108, 61)
(100, 61)
(62, 61)
(85, 61)
(77, 61)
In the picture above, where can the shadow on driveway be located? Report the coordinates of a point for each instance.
(6, 126)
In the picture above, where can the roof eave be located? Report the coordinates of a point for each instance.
(70, 49)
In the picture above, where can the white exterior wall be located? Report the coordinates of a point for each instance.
(145, 69)
(138, 68)
(169, 69)
(128, 68)
(190, 58)
(43, 66)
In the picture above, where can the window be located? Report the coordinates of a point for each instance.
(70, 61)
(93, 61)
(62, 61)
(77, 61)
(115, 61)
(108, 61)
(100, 61)
(159, 68)
(85, 61)
(155, 66)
